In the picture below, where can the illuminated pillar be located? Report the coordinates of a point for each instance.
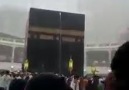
(85, 62)
(13, 53)
(110, 55)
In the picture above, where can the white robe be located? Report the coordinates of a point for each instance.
(74, 86)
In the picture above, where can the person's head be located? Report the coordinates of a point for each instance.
(76, 77)
(47, 82)
(17, 84)
(7, 73)
(120, 65)
(1, 88)
(2, 73)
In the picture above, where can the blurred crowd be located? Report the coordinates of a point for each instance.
(74, 82)
(117, 79)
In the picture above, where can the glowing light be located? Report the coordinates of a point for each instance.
(109, 70)
(12, 66)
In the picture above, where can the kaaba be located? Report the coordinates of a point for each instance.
(53, 37)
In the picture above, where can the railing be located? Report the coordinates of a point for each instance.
(102, 46)
(10, 42)
(10, 39)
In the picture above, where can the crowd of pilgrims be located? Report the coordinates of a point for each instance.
(19, 81)
(117, 79)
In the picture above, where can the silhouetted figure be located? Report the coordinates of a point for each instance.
(110, 82)
(119, 66)
(1, 88)
(89, 86)
(17, 84)
(95, 82)
(27, 78)
(47, 82)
